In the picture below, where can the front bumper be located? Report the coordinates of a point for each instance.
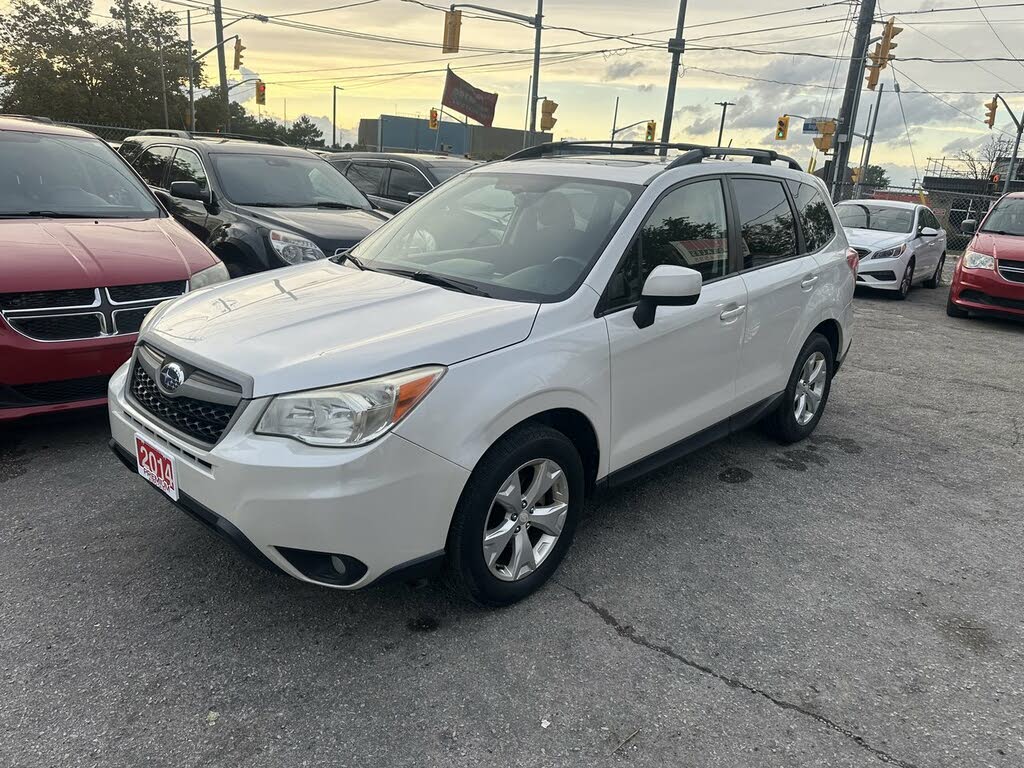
(985, 290)
(883, 274)
(384, 506)
(49, 376)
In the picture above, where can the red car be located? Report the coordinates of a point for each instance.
(989, 277)
(86, 251)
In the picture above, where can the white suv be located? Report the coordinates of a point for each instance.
(448, 392)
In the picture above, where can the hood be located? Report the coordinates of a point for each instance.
(1001, 246)
(329, 228)
(320, 324)
(873, 239)
(59, 254)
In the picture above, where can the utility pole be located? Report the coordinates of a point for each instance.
(676, 46)
(615, 117)
(128, 22)
(334, 114)
(218, 27)
(163, 81)
(191, 76)
(536, 67)
(847, 122)
(866, 161)
(1019, 124)
(721, 126)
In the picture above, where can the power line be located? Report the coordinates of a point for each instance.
(933, 94)
(319, 10)
(1005, 46)
(906, 125)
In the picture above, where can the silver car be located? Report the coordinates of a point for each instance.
(899, 243)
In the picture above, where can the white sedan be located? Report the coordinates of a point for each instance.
(899, 243)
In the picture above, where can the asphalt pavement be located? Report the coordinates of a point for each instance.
(853, 600)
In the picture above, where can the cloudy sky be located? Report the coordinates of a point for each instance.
(385, 54)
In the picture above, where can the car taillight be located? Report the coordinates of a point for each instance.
(853, 259)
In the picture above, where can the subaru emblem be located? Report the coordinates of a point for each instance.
(171, 377)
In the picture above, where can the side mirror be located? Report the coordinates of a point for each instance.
(415, 195)
(929, 232)
(969, 226)
(667, 286)
(188, 190)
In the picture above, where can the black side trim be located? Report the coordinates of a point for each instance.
(207, 517)
(695, 442)
(418, 568)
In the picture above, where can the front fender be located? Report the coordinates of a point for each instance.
(244, 239)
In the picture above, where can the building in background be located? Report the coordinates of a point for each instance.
(394, 133)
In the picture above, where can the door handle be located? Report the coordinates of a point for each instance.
(808, 282)
(732, 313)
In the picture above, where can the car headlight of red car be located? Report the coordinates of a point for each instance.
(975, 260)
(218, 273)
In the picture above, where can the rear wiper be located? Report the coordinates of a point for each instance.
(430, 278)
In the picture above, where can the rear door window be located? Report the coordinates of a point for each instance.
(152, 163)
(186, 167)
(367, 177)
(767, 225)
(405, 180)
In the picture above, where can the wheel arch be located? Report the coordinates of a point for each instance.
(833, 334)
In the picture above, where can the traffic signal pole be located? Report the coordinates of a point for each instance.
(866, 160)
(191, 76)
(847, 122)
(676, 46)
(1019, 124)
(334, 115)
(721, 126)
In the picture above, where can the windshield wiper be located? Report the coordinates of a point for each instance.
(50, 215)
(1000, 232)
(332, 204)
(430, 278)
(344, 254)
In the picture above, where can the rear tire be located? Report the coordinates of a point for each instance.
(490, 505)
(936, 280)
(953, 310)
(789, 423)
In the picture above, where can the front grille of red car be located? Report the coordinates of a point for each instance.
(978, 297)
(89, 313)
(199, 419)
(49, 392)
(1012, 270)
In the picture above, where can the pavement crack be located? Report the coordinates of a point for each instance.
(629, 633)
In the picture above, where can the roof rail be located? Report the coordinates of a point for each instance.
(692, 153)
(208, 135)
(33, 118)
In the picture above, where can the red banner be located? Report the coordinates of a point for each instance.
(471, 102)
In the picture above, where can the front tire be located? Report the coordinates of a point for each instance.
(908, 278)
(953, 310)
(936, 279)
(516, 517)
(806, 394)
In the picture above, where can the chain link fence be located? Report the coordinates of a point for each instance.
(951, 208)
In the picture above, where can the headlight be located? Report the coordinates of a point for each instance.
(218, 273)
(890, 253)
(349, 414)
(975, 260)
(294, 249)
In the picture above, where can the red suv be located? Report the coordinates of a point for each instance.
(989, 277)
(86, 251)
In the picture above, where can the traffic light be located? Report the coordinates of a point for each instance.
(433, 119)
(990, 115)
(994, 178)
(874, 66)
(452, 30)
(238, 52)
(652, 128)
(782, 128)
(261, 92)
(885, 47)
(547, 115)
(855, 175)
(823, 143)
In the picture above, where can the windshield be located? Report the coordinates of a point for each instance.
(75, 176)
(1007, 217)
(445, 170)
(285, 181)
(881, 218)
(509, 235)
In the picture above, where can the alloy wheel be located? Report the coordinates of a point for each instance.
(810, 388)
(908, 276)
(525, 519)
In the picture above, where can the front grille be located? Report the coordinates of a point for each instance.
(59, 327)
(82, 297)
(993, 301)
(887, 274)
(130, 320)
(1012, 270)
(862, 252)
(66, 391)
(200, 420)
(144, 291)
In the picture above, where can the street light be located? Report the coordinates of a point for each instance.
(257, 16)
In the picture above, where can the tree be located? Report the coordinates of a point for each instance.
(876, 177)
(304, 133)
(55, 61)
(981, 163)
